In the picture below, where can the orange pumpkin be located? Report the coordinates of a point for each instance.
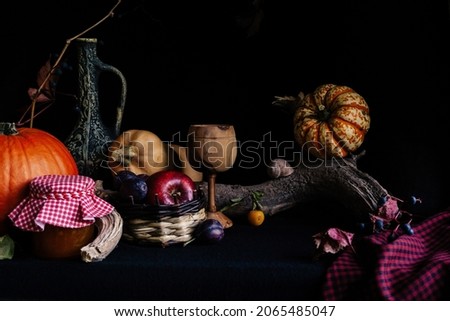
(26, 153)
(332, 121)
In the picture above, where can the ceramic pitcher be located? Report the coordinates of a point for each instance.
(89, 140)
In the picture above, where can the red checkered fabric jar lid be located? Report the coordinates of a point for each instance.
(60, 200)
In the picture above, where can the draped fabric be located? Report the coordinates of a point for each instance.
(412, 267)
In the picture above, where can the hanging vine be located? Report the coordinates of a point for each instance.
(49, 74)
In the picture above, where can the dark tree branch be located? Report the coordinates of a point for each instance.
(338, 180)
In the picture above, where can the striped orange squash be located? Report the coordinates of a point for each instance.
(331, 121)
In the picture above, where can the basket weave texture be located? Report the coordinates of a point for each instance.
(164, 224)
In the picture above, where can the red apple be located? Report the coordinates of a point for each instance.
(169, 187)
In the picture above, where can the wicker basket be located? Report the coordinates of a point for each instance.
(163, 224)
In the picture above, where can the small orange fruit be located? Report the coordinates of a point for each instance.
(255, 217)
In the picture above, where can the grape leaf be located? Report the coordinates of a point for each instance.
(332, 241)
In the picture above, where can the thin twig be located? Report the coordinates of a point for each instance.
(60, 56)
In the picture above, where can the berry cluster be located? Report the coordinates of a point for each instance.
(391, 216)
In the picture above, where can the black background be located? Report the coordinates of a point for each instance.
(196, 61)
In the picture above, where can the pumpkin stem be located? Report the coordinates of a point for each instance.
(323, 114)
(8, 129)
(289, 104)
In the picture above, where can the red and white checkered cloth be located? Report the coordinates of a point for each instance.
(412, 267)
(60, 200)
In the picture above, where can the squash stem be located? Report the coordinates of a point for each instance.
(323, 114)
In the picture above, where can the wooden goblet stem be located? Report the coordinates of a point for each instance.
(212, 212)
(212, 192)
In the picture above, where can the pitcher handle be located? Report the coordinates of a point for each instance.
(123, 95)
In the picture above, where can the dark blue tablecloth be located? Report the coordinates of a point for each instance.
(274, 261)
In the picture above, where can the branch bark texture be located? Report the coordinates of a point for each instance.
(339, 180)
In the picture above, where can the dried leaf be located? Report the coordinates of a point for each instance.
(41, 98)
(332, 241)
(389, 209)
(43, 72)
(6, 247)
(48, 87)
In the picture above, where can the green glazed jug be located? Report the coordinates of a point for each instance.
(88, 142)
